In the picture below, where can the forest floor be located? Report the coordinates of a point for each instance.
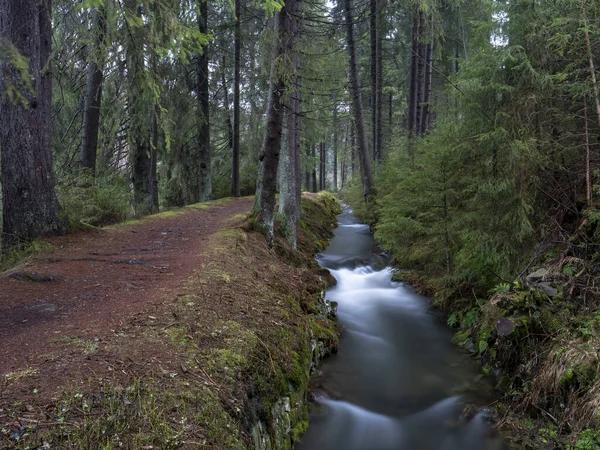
(80, 294)
(179, 330)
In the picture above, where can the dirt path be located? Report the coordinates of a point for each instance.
(92, 284)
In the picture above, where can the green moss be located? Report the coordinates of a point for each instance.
(238, 217)
(233, 234)
(299, 430)
(222, 429)
(208, 204)
(166, 214)
(325, 334)
(19, 254)
(178, 335)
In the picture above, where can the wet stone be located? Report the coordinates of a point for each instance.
(537, 275)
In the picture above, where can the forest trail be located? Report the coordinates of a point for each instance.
(92, 285)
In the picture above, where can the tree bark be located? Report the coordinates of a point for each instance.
(313, 154)
(345, 158)
(228, 121)
(297, 114)
(307, 172)
(357, 107)
(378, 149)
(140, 109)
(335, 146)
(29, 204)
(373, 35)
(287, 178)
(588, 176)
(421, 75)
(591, 64)
(264, 205)
(352, 149)
(290, 176)
(237, 50)
(322, 166)
(413, 84)
(426, 108)
(205, 177)
(154, 156)
(93, 95)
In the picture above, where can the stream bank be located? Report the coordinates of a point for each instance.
(535, 327)
(224, 362)
(539, 337)
(398, 382)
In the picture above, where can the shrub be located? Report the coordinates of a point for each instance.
(97, 202)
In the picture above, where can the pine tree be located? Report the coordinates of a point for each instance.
(29, 204)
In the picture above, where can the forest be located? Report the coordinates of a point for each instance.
(465, 133)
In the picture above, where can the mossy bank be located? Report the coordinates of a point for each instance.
(539, 338)
(535, 328)
(227, 364)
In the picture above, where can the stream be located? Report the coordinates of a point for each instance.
(398, 382)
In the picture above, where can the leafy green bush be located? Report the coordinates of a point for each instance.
(587, 440)
(96, 202)
(353, 195)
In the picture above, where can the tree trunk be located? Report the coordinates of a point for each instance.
(154, 156)
(421, 75)
(313, 154)
(205, 179)
(93, 95)
(352, 149)
(588, 176)
(307, 173)
(154, 143)
(379, 88)
(297, 17)
(290, 174)
(140, 109)
(413, 84)
(357, 107)
(287, 177)
(345, 159)
(322, 166)
(373, 43)
(591, 64)
(335, 146)
(237, 50)
(29, 204)
(426, 108)
(297, 112)
(264, 205)
(228, 121)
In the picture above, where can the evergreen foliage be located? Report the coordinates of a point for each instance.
(504, 166)
(94, 201)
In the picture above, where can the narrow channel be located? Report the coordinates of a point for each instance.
(398, 382)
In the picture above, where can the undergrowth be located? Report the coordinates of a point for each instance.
(94, 201)
(17, 255)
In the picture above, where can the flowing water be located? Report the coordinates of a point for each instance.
(398, 382)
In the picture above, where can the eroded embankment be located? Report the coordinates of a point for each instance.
(226, 365)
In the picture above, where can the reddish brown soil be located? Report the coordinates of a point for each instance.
(97, 284)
